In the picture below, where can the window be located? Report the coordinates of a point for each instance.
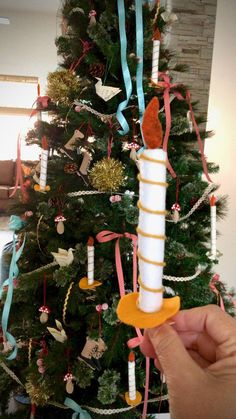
(17, 95)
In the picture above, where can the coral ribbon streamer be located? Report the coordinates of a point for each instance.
(166, 84)
(19, 176)
(106, 236)
(145, 402)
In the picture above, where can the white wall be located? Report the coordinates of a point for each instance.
(27, 44)
(222, 117)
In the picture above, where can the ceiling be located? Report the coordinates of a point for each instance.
(43, 6)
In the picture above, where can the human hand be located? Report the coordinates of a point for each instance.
(198, 357)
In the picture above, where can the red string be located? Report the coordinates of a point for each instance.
(86, 47)
(99, 324)
(177, 190)
(89, 130)
(33, 409)
(110, 140)
(44, 289)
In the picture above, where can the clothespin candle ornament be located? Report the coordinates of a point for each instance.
(132, 396)
(155, 55)
(42, 187)
(213, 226)
(147, 308)
(88, 282)
(213, 254)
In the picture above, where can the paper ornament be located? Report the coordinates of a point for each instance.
(63, 257)
(59, 334)
(106, 92)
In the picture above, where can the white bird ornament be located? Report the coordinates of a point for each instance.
(63, 257)
(106, 92)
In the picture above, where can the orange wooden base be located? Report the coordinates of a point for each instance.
(37, 188)
(129, 313)
(133, 402)
(84, 285)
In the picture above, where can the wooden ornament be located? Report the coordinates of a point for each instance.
(43, 318)
(60, 227)
(85, 163)
(69, 386)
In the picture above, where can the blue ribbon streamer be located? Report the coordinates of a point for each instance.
(125, 69)
(78, 411)
(139, 54)
(15, 224)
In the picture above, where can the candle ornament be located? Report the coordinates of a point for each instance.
(213, 254)
(132, 397)
(155, 55)
(42, 187)
(147, 308)
(88, 282)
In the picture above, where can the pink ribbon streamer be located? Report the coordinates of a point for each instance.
(19, 176)
(166, 84)
(214, 280)
(145, 402)
(106, 236)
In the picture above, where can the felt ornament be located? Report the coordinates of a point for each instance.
(151, 126)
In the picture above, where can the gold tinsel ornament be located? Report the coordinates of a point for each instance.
(39, 392)
(63, 86)
(107, 175)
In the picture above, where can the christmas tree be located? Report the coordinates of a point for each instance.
(75, 253)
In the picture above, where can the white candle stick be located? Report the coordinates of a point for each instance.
(213, 227)
(147, 308)
(90, 254)
(151, 228)
(131, 376)
(43, 164)
(155, 56)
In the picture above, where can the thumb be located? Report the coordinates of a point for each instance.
(175, 361)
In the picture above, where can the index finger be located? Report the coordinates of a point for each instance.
(209, 319)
